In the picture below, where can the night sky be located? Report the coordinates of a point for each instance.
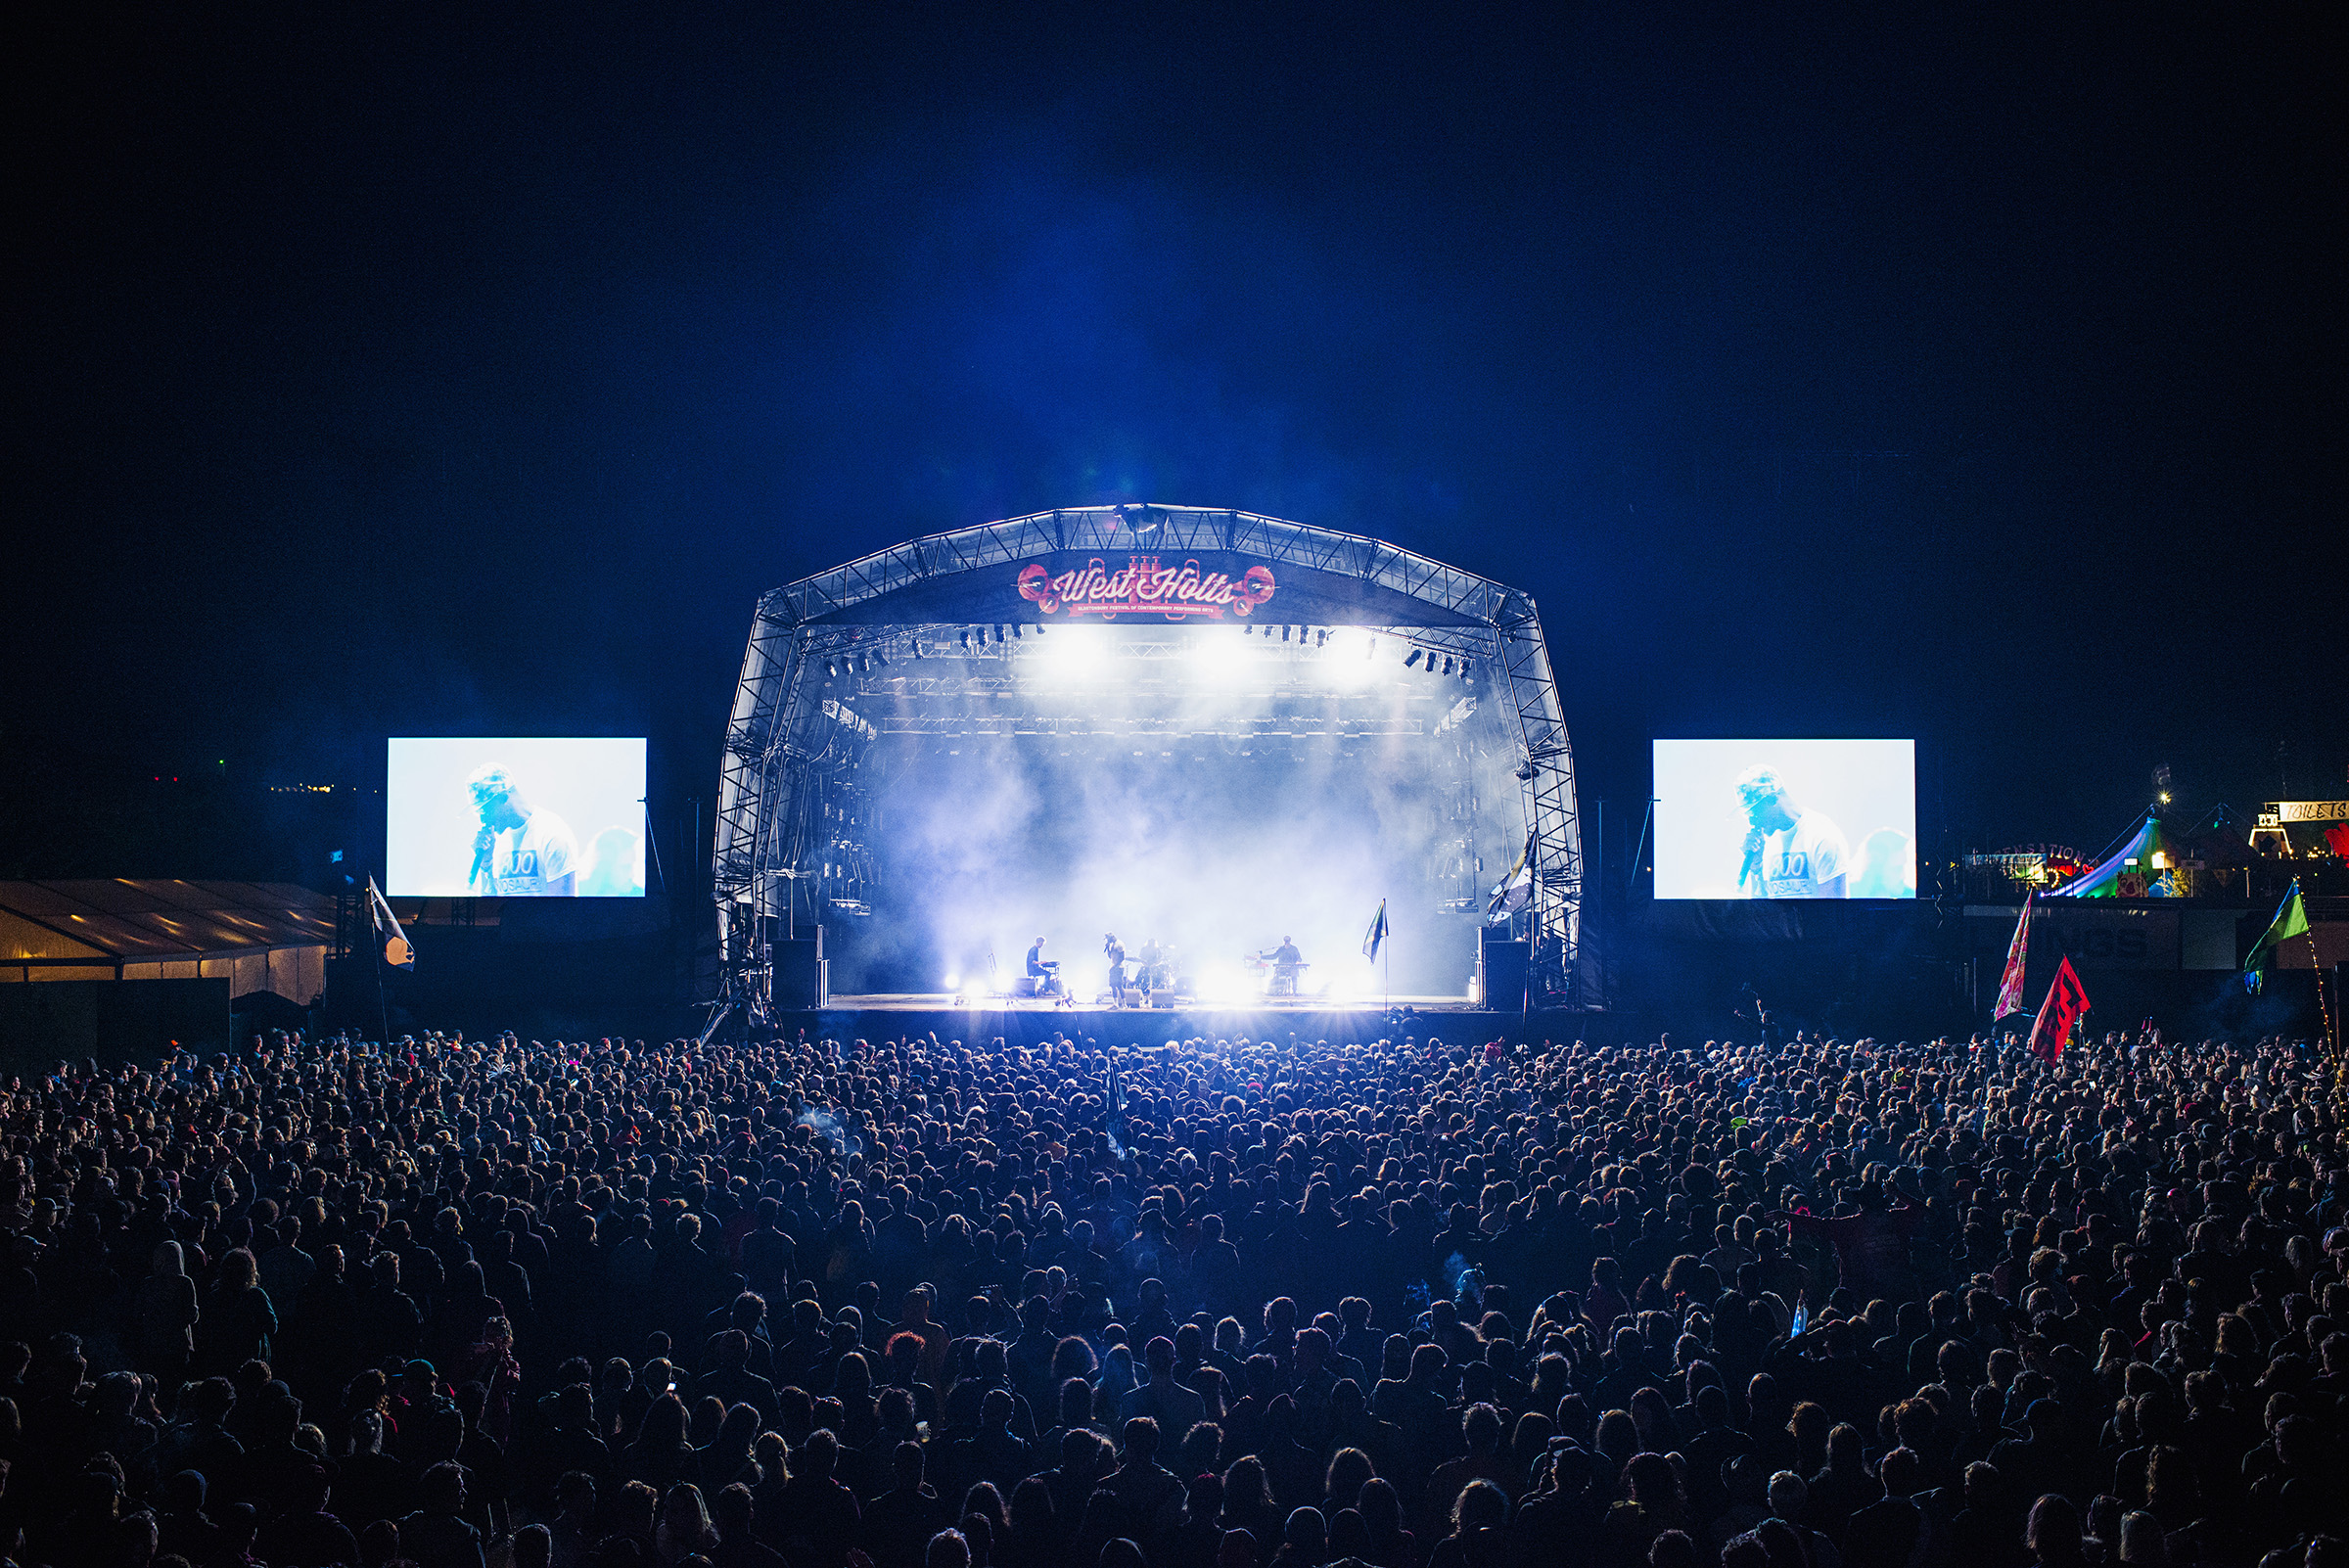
(379, 370)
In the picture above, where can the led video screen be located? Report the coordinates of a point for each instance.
(1785, 819)
(530, 817)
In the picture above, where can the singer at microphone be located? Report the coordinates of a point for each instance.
(1789, 852)
(521, 851)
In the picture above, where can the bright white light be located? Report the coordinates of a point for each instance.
(1219, 654)
(954, 983)
(1070, 653)
(1225, 986)
(1346, 664)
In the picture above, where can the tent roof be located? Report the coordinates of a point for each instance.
(2105, 880)
(140, 918)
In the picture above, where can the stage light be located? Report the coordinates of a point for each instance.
(1016, 631)
(1447, 663)
(880, 657)
(1284, 633)
(1081, 652)
(1321, 639)
(1412, 660)
(966, 639)
(1219, 659)
(954, 983)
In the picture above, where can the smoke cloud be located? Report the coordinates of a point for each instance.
(1199, 788)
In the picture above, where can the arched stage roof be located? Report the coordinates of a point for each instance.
(1150, 564)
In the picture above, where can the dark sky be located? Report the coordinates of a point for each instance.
(398, 369)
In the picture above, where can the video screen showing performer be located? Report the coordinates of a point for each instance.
(515, 817)
(1785, 819)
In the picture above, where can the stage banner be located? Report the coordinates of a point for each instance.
(2066, 1001)
(1172, 588)
(2010, 985)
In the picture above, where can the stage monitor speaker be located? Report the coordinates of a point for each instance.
(1163, 1000)
(1023, 988)
(1506, 968)
(800, 976)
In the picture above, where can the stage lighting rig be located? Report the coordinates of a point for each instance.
(1412, 660)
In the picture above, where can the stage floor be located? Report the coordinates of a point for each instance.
(941, 1002)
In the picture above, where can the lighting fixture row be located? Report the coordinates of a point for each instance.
(1462, 665)
(867, 661)
(864, 663)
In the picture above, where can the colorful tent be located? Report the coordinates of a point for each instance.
(2145, 867)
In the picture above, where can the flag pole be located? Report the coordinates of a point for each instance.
(374, 962)
(2324, 1015)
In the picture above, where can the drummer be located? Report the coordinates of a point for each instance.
(1152, 955)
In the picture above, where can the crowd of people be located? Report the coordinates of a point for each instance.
(1208, 1304)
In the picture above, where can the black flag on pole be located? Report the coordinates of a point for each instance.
(396, 948)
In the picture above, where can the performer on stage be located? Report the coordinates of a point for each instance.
(1151, 956)
(1115, 951)
(1045, 972)
(1286, 961)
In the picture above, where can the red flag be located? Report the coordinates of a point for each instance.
(2010, 986)
(2066, 1001)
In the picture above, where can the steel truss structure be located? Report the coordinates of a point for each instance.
(797, 737)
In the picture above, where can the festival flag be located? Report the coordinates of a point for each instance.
(2291, 920)
(1376, 938)
(2066, 1001)
(2010, 986)
(396, 951)
(1516, 890)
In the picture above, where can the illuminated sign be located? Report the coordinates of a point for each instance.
(2309, 811)
(1145, 585)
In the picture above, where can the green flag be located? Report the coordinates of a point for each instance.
(2291, 920)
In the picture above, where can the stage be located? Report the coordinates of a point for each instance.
(1285, 1006)
(1453, 1019)
(1174, 738)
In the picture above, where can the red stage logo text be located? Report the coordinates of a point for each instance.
(1144, 588)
